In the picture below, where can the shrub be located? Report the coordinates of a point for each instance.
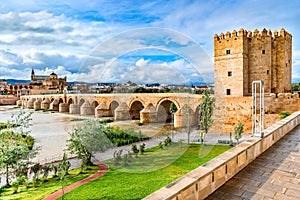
(55, 170)
(117, 157)
(142, 148)
(284, 114)
(134, 150)
(105, 121)
(129, 156)
(238, 130)
(126, 160)
(161, 145)
(46, 169)
(180, 142)
(230, 141)
(121, 137)
(35, 169)
(15, 186)
(167, 141)
(29, 141)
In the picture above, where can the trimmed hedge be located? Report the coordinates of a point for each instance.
(121, 137)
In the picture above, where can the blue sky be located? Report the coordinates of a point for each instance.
(61, 36)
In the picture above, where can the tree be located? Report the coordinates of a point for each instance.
(87, 140)
(35, 169)
(206, 111)
(21, 122)
(296, 87)
(238, 130)
(15, 154)
(63, 169)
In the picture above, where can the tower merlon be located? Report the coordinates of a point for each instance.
(255, 34)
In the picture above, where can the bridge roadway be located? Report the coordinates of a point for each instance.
(273, 175)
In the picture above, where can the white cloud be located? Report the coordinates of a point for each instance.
(141, 62)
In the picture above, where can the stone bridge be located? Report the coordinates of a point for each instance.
(147, 108)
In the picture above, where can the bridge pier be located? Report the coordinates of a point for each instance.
(102, 111)
(54, 105)
(122, 112)
(148, 115)
(30, 103)
(45, 104)
(74, 109)
(19, 103)
(86, 109)
(63, 107)
(37, 104)
(184, 117)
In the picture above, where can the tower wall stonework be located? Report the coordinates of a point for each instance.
(242, 57)
(231, 62)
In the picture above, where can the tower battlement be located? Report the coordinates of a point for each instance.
(242, 57)
(249, 34)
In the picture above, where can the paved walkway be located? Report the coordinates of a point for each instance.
(103, 169)
(273, 175)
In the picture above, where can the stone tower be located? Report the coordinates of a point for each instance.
(242, 57)
(32, 74)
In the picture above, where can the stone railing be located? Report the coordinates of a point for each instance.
(204, 180)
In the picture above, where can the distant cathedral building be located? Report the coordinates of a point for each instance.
(51, 82)
(39, 84)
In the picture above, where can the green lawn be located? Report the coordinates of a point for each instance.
(147, 173)
(46, 188)
(144, 175)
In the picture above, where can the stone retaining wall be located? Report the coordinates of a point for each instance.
(204, 180)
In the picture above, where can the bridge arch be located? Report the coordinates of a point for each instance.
(163, 110)
(81, 101)
(60, 100)
(94, 104)
(70, 101)
(112, 107)
(135, 108)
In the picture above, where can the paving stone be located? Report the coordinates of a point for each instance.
(280, 196)
(216, 195)
(231, 197)
(266, 193)
(257, 197)
(250, 188)
(272, 187)
(235, 182)
(232, 190)
(248, 195)
(293, 192)
(249, 181)
(284, 173)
